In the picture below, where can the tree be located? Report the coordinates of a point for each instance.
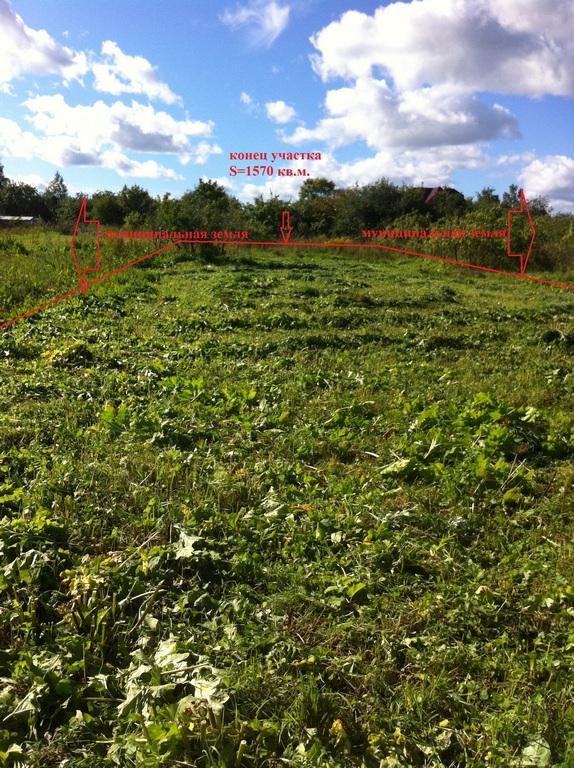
(106, 208)
(55, 193)
(167, 213)
(208, 207)
(68, 211)
(3, 178)
(487, 198)
(372, 206)
(316, 209)
(314, 188)
(413, 201)
(19, 199)
(540, 206)
(448, 204)
(136, 202)
(264, 217)
(511, 199)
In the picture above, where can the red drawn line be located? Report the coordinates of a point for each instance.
(138, 261)
(43, 306)
(286, 227)
(523, 208)
(344, 245)
(85, 285)
(99, 279)
(82, 217)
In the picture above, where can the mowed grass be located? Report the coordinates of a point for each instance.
(289, 508)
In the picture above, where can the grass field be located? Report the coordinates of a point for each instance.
(286, 508)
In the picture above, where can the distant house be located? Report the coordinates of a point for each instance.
(430, 192)
(39, 210)
(8, 221)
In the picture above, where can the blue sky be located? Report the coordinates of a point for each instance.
(469, 93)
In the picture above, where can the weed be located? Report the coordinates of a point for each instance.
(313, 510)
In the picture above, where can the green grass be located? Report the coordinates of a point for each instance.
(288, 508)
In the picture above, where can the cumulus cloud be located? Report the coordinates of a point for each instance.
(125, 166)
(26, 51)
(478, 45)
(120, 73)
(57, 150)
(266, 20)
(17, 143)
(279, 112)
(552, 177)
(551, 18)
(100, 134)
(33, 179)
(414, 71)
(137, 127)
(428, 117)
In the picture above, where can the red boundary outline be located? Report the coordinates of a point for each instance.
(83, 279)
(84, 284)
(523, 208)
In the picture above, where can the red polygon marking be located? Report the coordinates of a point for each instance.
(523, 209)
(84, 284)
(85, 220)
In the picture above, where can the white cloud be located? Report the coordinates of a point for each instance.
(137, 127)
(416, 167)
(33, 179)
(223, 181)
(280, 112)
(26, 51)
(286, 188)
(428, 117)
(101, 134)
(266, 18)
(121, 73)
(553, 177)
(249, 103)
(414, 73)
(124, 166)
(546, 17)
(520, 157)
(17, 143)
(476, 45)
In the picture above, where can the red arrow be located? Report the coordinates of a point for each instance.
(523, 209)
(82, 218)
(286, 226)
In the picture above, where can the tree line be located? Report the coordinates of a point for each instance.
(321, 212)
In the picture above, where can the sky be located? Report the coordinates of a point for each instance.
(462, 93)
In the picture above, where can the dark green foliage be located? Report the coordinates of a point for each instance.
(56, 194)
(106, 208)
(137, 205)
(322, 213)
(18, 199)
(487, 198)
(263, 218)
